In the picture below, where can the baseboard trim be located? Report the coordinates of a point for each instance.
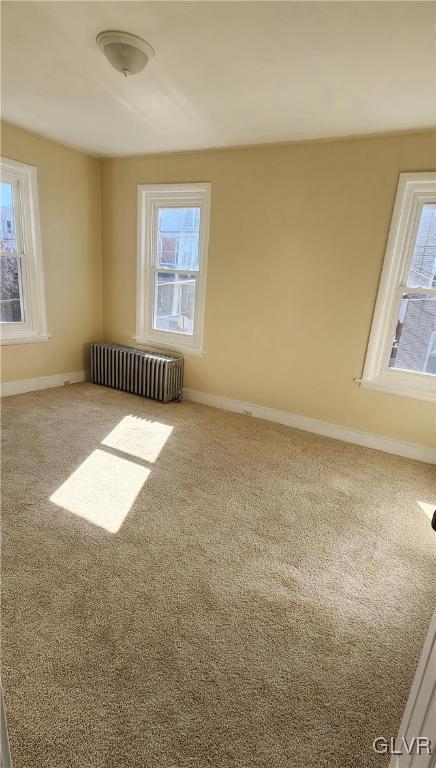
(325, 428)
(44, 382)
(366, 439)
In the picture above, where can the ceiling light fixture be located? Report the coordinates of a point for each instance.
(127, 53)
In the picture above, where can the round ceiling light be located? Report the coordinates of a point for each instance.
(127, 53)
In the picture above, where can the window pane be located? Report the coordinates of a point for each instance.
(10, 290)
(423, 269)
(178, 238)
(7, 222)
(174, 303)
(415, 328)
(430, 364)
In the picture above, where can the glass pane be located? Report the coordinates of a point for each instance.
(10, 290)
(175, 302)
(413, 341)
(423, 269)
(178, 238)
(7, 233)
(430, 365)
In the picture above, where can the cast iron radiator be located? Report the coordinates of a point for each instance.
(149, 374)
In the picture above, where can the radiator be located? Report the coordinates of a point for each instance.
(149, 374)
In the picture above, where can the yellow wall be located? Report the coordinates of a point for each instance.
(297, 239)
(69, 200)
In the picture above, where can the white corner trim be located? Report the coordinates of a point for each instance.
(417, 716)
(366, 439)
(45, 382)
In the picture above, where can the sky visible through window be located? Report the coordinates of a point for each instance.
(6, 195)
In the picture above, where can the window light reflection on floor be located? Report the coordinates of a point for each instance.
(427, 508)
(139, 437)
(102, 490)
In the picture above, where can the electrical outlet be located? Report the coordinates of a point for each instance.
(247, 412)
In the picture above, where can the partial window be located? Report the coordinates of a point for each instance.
(430, 358)
(401, 351)
(22, 302)
(172, 261)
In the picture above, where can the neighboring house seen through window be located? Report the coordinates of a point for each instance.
(402, 351)
(22, 301)
(172, 260)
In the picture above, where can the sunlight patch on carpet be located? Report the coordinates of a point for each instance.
(427, 508)
(141, 438)
(102, 490)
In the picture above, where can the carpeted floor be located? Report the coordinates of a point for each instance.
(250, 596)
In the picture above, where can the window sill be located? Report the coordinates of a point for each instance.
(169, 347)
(5, 340)
(404, 384)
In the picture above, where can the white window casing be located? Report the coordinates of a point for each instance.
(151, 199)
(33, 327)
(414, 191)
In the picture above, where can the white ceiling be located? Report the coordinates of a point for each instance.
(224, 74)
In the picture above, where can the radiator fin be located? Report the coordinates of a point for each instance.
(149, 374)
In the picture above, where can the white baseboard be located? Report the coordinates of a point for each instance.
(367, 439)
(45, 382)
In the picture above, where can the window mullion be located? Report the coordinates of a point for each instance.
(170, 271)
(418, 291)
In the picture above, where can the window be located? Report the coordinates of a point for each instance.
(430, 358)
(401, 355)
(22, 302)
(173, 224)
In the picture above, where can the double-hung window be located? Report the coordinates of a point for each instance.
(22, 300)
(173, 224)
(401, 355)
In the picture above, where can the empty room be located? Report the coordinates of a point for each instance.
(218, 381)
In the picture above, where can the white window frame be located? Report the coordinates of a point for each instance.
(414, 191)
(24, 179)
(151, 197)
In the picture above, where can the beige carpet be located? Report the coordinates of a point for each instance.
(243, 595)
